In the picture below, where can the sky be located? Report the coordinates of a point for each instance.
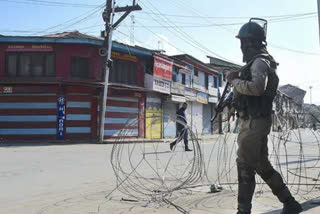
(200, 28)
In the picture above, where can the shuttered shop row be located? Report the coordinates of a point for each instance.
(72, 115)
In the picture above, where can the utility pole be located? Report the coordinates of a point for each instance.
(319, 18)
(310, 94)
(108, 16)
(132, 30)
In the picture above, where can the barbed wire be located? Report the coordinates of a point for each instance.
(148, 172)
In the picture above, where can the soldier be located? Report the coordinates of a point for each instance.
(254, 91)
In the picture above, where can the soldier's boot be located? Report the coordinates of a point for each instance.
(292, 208)
(290, 205)
(279, 189)
(246, 186)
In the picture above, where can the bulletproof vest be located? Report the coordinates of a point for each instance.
(258, 106)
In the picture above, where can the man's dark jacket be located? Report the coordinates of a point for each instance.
(181, 119)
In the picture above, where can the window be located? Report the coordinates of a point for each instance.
(220, 81)
(124, 72)
(12, 65)
(196, 72)
(183, 81)
(80, 67)
(188, 80)
(30, 64)
(215, 82)
(175, 75)
(148, 67)
(206, 81)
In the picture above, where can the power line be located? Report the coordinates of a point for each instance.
(91, 12)
(276, 19)
(293, 50)
(185, 36)
(49, 3)
(195, 25)
(284, 18)
(201, 25)
(230, 17)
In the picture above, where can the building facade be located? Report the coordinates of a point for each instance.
(201, 91)
(51, 87)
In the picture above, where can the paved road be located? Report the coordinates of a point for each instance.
(46, 179)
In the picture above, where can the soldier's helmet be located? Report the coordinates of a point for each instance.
(253, 30)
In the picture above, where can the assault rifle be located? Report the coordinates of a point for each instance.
(226, 97)
(224, 101)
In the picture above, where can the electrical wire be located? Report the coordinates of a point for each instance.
(75, 20)
(186, 37)
(49, 3)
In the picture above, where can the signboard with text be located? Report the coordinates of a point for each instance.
(29, 47)
(157, 84)
(177, 88)
(190, 92)
(202, 97)
(213, 99)
(162, 68)
(61, 117)
(123, 56)
(179, 99)
(6, 90)
(161, 85)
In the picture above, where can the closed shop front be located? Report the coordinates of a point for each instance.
(169, 119)
(207, 109)
(28, 113)
(122, 114)
(153, 116)
(197, 119)
(81, 117)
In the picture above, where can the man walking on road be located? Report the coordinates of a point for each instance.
(181, 128)
(254, 90)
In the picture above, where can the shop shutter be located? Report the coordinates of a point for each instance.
(79, 121)
(28, 116)
(169, 116)
(206, 119)
(122, 116)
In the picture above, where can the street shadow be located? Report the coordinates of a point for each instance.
(298, 162)
(307, 205)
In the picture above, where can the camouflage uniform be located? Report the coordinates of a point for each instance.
(254, 127)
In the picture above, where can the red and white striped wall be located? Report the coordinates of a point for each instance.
(28, 116)
(81, 117)
(122, 115)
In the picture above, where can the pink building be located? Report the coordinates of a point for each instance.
(50, 87)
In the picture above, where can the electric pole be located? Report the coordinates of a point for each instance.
(108, 16)
(319, 17)
(132, 30)
(310, 94)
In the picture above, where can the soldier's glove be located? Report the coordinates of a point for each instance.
(231, 76)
